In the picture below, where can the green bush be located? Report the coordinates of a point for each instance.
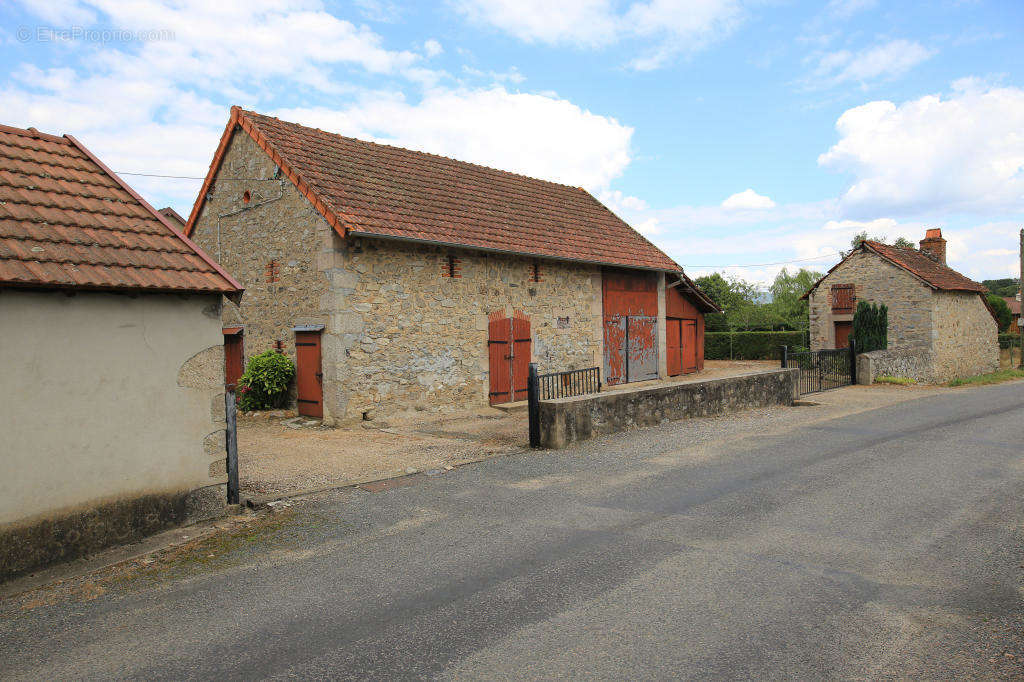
(870, 327)
(750, 345)
(1009, 340)
(264, 385)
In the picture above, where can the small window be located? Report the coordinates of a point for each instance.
(273, 272)
(535, 274)
(844, 298)
(450, 267)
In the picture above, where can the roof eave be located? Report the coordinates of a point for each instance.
(234, 289)
(510, 252)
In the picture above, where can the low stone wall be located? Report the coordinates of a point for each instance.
(569, 420)
(910, 363)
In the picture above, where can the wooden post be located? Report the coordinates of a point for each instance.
(853, 362)
(1020, 289)
(785, 356)
(533, 405)
(231, 444)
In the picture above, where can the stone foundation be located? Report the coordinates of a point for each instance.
(65, 535)
(917, 364)
(568, 420)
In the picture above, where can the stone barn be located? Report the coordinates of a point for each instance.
(113, 417)
(940, 324)
(404, 280)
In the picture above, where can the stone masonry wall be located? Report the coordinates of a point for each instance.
(398, 335)
(966, 336)
(877, 281)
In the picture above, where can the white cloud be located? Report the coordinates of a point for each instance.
(542, 136)
(881, 62)
(432, 48)
(747, 200)
(674, 26)
(964, 152)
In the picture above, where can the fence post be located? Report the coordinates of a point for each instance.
(231, 444)
(853, 362)
(533, 405)
(785, 357)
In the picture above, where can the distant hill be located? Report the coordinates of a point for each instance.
(1002, 287)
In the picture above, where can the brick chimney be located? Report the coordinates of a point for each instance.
(934, 245)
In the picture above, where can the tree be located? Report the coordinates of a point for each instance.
(787, 297)
(862, 236)
(870, 327)
(1003, 315)
(1002, 287)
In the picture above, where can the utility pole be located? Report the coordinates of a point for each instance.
(1020, 303)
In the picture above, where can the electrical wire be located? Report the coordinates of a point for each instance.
(192, 177)
(758, 265)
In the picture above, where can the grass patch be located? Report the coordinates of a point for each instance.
(899, 381)
(992, 378)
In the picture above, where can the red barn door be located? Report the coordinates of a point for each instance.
(509, 350)
(308, 374)
(234, 361)
(673, 346)
(689, 346)
(522, 351)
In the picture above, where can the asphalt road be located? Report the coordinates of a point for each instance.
(883, 544)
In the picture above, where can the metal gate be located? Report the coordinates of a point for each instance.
(822, 370)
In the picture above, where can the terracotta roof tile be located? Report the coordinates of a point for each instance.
(67, 222)
(377, 190)
(931, 271)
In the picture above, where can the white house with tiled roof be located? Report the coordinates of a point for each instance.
(113, 417)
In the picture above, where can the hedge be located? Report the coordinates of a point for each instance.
(1008, 340)
(871, 327)
(751, 345)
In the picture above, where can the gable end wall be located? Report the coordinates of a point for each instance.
(398, 335)
(877, 281)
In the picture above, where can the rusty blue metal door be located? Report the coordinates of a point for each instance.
(630, 348)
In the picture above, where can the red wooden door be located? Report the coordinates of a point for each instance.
(499, 353)
(234, 360)
(522, 352)
(673, 346)
(689, 346)
(843, 330)
(509, 350)
(308, 374)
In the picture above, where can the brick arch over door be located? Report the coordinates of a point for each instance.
(509, 350)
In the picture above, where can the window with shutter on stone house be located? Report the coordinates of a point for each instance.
(844, 298)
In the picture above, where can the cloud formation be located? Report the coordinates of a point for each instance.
(747, 200)
(675, 26)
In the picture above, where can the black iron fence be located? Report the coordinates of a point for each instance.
(822, 370)
(568, 384)
(556, 385)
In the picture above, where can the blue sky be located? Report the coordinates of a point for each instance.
(732, 133)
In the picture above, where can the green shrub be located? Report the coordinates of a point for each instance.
(870, 327)
(264, 385)
(1009, 340)
(899, 381)
(750, 345)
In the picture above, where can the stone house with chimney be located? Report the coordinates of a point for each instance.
(940, 324)
(402, 280)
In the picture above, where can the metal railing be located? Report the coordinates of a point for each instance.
(570, 383)
(556, 385)
(822, 370)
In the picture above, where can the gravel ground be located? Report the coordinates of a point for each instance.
(276, 459)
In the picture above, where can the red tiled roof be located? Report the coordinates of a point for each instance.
(1013, 304)
(66, 221)
(935, 274)
(173, 216)
(363, 188)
